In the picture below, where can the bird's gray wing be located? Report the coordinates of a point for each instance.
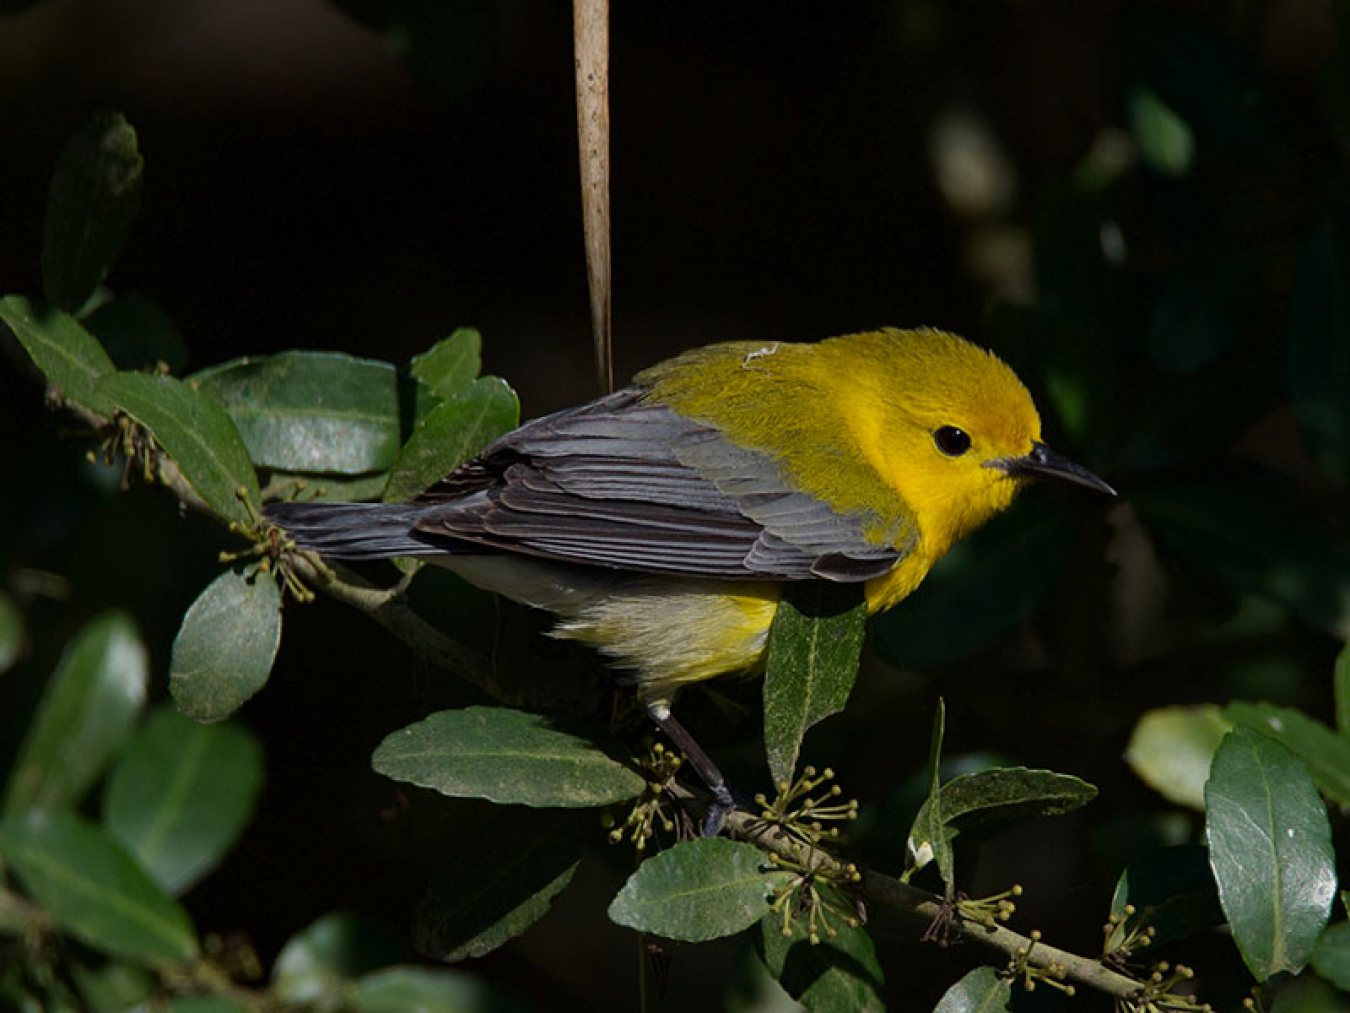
(631, 484)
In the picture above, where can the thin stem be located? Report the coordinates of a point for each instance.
(590, 32)
(880, 889)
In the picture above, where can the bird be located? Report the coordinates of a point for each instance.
(663, 523)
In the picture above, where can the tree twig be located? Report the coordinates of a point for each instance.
(887, 891)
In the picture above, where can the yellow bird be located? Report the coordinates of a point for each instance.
(661, 522)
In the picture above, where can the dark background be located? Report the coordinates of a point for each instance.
(782, 171)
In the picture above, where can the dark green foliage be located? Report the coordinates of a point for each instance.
(1185, 334)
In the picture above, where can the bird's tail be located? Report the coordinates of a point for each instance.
(353, 530)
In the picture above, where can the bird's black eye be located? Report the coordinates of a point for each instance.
(952, 441)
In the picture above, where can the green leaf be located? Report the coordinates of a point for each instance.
(928, 840)
(838, 973)
(196, 433)
(1331, 958)
(336, 488)
(68, 356)
(506, 756)
(1165, 142)
(224, 650)
(113, 987)
(979, 802)
(1307, 994)
(1254, 534)
(985, 586)
(86, 715)
(317, 963)
(1270, 849)
(699, 890)
(93, 200)
(452, 432)
(399, 989)
(1171, 749)
(450, 364)
(95, 890)
(182, 794)
(980, 991)
(317, 412)
(11, 633)
(1326, 754)
(1210, 83)
(496, 882)
(1342, 689)
(1172, 890)
(814, 645)
(1319, 350)
(138, 334)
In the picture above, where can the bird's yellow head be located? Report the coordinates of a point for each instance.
(947, 424)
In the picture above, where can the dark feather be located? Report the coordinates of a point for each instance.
(632, 485)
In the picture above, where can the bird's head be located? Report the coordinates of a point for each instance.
(957, 433)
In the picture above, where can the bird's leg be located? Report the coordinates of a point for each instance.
(659, 712)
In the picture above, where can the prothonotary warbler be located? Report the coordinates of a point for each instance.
(662, 522)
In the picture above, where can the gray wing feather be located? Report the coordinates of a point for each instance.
(633, 485)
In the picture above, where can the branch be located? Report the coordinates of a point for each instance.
(887, 891)
(385, 605)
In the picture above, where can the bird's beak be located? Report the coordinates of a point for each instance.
(1044, 461)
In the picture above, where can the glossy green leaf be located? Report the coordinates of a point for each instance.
(450, 364)
(196, 433)
(699, 890)
(11, 633)
(928, 840)
(1319, 350)
(317, 412)
(1253, 534)
(400, 989)
(837, 974)
(452, 432)
(337, 488)
(814, 645)
(1171, 749)
(68, 356)
(985, 586)
(138, 334)
(182, 794)
(1326, 754)
(1172, 890)
(94, 889)
(495, 883)
(1331, 958)
(94, 197)
(317, 964)
(506, 756)
(224, 650)
(1270, 849)
(86, 716)
(1342, 690)
(980, 991)
(979, 802)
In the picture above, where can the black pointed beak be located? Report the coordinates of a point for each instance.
(1044, 461)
